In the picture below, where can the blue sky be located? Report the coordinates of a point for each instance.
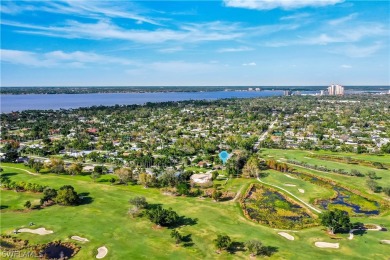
(229, 42)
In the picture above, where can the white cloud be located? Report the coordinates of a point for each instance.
(58, 58)
(249, 64)
(346, 34)
(346, 66)
(355, 51)
(238, 49)
(284, 4)
(104, 29)
(171, 50)
(343, 19)
(81, 8)
(295, 16)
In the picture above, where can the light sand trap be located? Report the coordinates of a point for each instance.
(301, 190)
(102, 252)
(291, 177)
(290, 185)
(81, 239)
(39, 231)
(326, 245)
(351, 233)
(286, 235)
(377, 228)
(385, 242)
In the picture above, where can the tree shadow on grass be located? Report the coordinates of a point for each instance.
(7, 174)
(3, 207)
(184, 221)
(269, 250)
(187, 241)
(236, 247)
(153, 206)
(85, 198)
(360, 232)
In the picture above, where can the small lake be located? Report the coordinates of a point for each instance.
(341, 200)
(11, 103)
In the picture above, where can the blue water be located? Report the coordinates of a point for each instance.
(11, 103)
(340, 200)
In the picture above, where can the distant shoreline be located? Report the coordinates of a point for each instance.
(166, 89)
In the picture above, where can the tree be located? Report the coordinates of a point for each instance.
(251, 168)
(336, 220)
(48, 194)
(216, 195)
(112, 180)
(144, 179)
(254, 247)
(222, 242)
(162, 217)
(177, 236)
(139, 202)
(386, 148)
(378, 165)
(95, 175)
(37, 166)
(57, 165)
(75, 168)
(372, 175)
(168, 179)
(99, 169)
(373, 185)
(27, 205)
(214, 175)
(124, 175)
(66, 196)
(387, 191)
(183, 188)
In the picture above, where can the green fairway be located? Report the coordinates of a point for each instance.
(104, 221)
(357, 182)
(310, 191)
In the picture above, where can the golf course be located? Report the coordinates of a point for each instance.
(102, 228)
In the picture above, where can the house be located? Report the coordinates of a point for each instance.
(201, 177)
(88, 168)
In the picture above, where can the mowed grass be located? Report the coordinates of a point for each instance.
(311, 191)
(105, 221)
(357, 182)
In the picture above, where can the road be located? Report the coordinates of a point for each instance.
(264, 135)
(308, 205)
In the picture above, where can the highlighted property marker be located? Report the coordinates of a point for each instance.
(224, 156)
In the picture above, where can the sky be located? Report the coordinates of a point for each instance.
(190, 43)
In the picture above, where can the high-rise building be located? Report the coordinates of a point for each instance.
(287, 93)
(334, 90)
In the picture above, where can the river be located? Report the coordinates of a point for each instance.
(11, 103)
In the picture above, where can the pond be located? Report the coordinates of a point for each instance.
(344, 198)
(57, 251)
(268, 206)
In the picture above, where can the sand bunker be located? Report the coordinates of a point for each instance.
(326, 245)
(286, 235)
(81, 239)
(39, 231)
(290, 185)
(291, 177)
(102, 252)
(385, 242)
(377, 228)
(301, 190)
